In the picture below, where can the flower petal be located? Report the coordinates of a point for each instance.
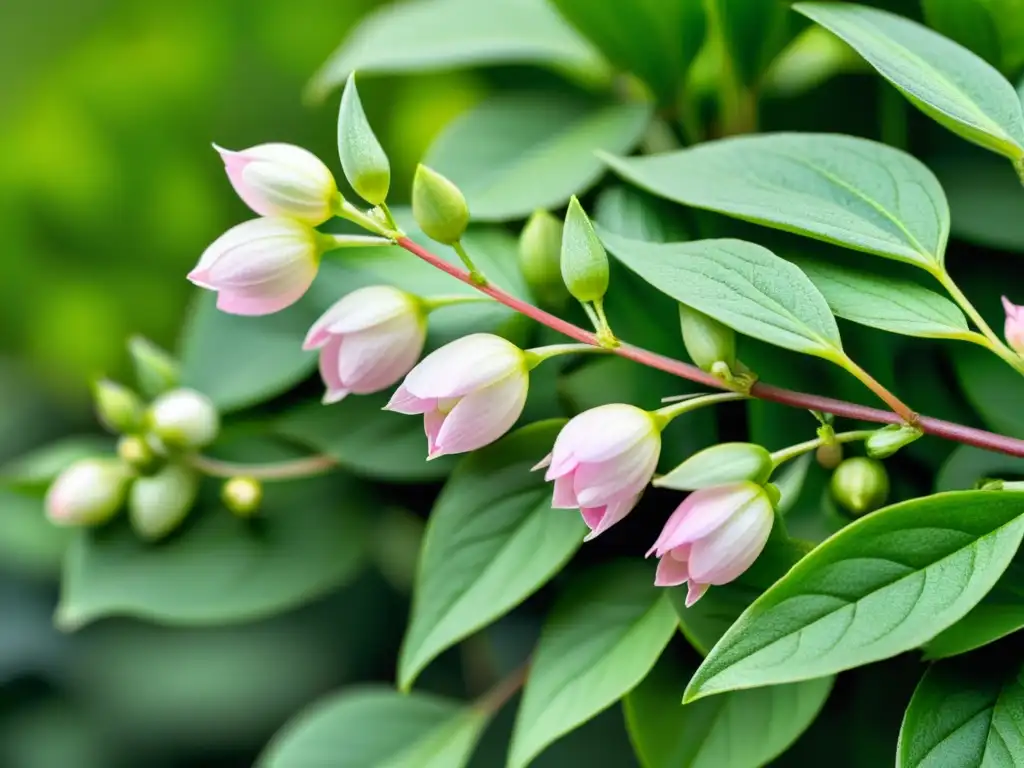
(329, 365)
(376, 358)
(464, 365)
(729, 551)
(706, 510)
(694, 592)
(624, 475)
(602, 433)
(671, 572)
(432, 423)
(613, 513)
(564, 496)
(483, 416)
(404, 401)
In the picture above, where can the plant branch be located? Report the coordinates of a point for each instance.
(282, 470)
(993, 342)
(791, 452)
(505, 689)
(945, 429)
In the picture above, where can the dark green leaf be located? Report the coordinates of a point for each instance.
(992, 387)
(754, 31)
(985, 198)
(491, 541)
(29, 542)
(599, 641)
(968, 22)
(628, 212)
(887, 583)
(36, 470)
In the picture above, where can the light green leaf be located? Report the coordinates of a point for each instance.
(967, 22)
(967, 713)
(656, 40)
(36, 470)
(29, 542)
(840, 189)
(967, 464)
(754, 33)
(742, 285)
(626, 211)
(790, 481)
(365, 439)
(375, 727)
(887, 583)
(890, 303)
(516, 153)
(599, 641)
(985, 198)
(739, 729)
(430, 35)
(308, 539)
(944, 80)
(719, 465)
(491, 541)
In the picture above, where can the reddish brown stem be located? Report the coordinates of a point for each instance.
(944, 429)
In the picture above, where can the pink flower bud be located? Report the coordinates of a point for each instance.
(260, 266)
(601, 463)
(89, 492)
(282, 180)
(713, 537)
(470, 393)
(1014, 326)
(368, 340)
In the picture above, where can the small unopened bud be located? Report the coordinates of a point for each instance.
(860, 485)
(438, 206)
(720, 465)
(138, 454)
(540, 257)
(117, 407)
(363, 159)
(89, 492)
(886, 441)
(183, 419)
(156, 371)
(584, 262)
(829, 455)
(242, 495)
(1014, 326)
(707, 341)
(158, 504)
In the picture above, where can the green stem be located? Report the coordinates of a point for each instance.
(663, 416)
(785, 454)
(283, 470)
(994, 343)
(430, 303)
(538, 355)
(900, 408)
(604, 330)
(388, 218)
(344, 209)
(475, 274)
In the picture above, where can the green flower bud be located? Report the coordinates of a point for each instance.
(242, 495)
(830, 455)
(156, 371)
(584, 262)
(362, 157)
(89, 492)
(438, 206)
(720, 465)
(707, 341)
(117, 407)
(540, 256)
(886, 441)
(158, 504)
(138, 454)
(860, 485)
(183, 419)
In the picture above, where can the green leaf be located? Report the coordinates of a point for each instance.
(491, 541)
(628, 212)
(742, 285)
(599, 641)
(754, 32)
(29, 542)
(985, 198)
(431, 35)
(242, 361)
(889, 303)
(308, 539)
(887, 583)
(656, 40)
(840, 189)
(36, 470)
(944, 80)
(967, 22)
(967, 464)
(967, 713)
(365, 439)
(992, 387)
(378, 727)
(515, 153)
(739, 729)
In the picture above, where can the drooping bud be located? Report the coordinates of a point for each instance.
(184, 419)
(156, 371)
(540, 257)
(707, 341)
(1014, 328)
(89, 492)
(438, 206)
(584, 262)
(720, 465)
(860, 485)
(242, 495)
(886, 441)
(363, 159)
(118, 408)
(135, 452)
(158, 504)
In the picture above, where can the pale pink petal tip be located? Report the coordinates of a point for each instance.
(200, 277)
(546, 461)
(694, 592)
(316, 338)
(332, 396)
(1010, 307)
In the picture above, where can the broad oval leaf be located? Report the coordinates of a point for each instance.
(840, 189)
(889, 303)
(740, 284)
(599, 641)
(491, 541)
(517, 153)
(881, 586)
(719, 465)
(370, 727)
(944, 80)
(308, 539)
(739, 729)
(967, 713)
(656, 40)
(428, 35)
